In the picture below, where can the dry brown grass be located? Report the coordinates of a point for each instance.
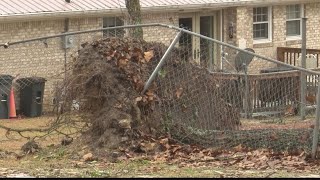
(14, 141)
(51, 159)
(285, 123)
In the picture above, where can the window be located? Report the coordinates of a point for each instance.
(294, 14)
(113, 22)
(262, 23)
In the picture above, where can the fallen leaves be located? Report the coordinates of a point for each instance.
(179, 92)
(166, 150)
(148, 55)
(165, 143)
(88, 157)
(150, 95)
(147, 147)
(138, 99)
(122, 63)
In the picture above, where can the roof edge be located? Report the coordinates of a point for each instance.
(120, 11)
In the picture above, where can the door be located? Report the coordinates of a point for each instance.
(202, 50)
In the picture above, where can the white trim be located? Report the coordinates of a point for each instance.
(261, 41)
(293, 38)
(269, 39)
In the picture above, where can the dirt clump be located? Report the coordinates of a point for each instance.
(30, 147)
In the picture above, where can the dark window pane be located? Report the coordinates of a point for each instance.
(298, 14)
(265, 10)
(258, 10)
(259, 18)
(119, 22)
(113, 22)
(293, 28)
(265, 17)
(260, 31)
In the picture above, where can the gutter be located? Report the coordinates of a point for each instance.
(59, 15)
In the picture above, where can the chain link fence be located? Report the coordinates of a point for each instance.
(208, 92)
(222, 104)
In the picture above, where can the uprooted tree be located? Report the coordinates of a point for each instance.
(107, 79)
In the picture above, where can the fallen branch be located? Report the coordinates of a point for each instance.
(25, 129)
(54, 126)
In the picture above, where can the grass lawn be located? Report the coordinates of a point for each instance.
(55, 160)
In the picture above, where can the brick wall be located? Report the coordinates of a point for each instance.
(161, 34)
(34, 59)
(230, 17)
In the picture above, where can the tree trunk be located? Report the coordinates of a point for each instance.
(133, 7)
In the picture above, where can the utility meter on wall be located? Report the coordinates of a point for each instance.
(67, 41)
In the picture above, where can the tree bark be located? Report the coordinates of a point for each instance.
(134, 10)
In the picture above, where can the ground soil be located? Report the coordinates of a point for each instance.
(54, 160)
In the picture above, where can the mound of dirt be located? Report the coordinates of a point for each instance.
(107, 79)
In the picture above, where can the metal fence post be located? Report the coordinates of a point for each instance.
(246, 93)
(303, 74)
(316, 125)
(160, 64)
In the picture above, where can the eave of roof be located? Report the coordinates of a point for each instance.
(149, 9)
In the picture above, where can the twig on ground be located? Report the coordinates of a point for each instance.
(270, 174)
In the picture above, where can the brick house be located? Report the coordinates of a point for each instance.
(258, 24)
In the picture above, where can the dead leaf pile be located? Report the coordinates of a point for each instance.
(168, 151)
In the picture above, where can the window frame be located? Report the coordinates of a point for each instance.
(269, 22)
(106, 33)
(295, 37)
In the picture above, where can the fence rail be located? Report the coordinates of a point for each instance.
(264, 96)
(291, 55)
